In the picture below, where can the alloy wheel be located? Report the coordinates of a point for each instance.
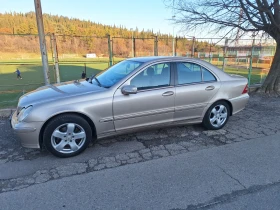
(68, 138)
(218, 116)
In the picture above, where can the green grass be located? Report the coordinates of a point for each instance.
(32, 77)
(31, 71)
(256, 76)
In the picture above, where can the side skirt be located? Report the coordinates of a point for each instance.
(149, 128)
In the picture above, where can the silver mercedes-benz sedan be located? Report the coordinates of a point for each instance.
(137, 93)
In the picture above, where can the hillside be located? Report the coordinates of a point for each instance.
(25, 23)
(76, 36)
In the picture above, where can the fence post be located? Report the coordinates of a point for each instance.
(55, 58)
(173, 44)
(110, 51)
(251, 62)
(210, 56)
(176, 39)
(193, 43)
(42, 39)
(51, 44)
(134, 47)
(155, 45)
(225, 54)
(85, 68)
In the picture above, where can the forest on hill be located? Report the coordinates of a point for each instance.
(18, 34)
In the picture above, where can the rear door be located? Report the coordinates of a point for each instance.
(195, 86)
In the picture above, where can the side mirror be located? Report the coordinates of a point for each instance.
(129, 89)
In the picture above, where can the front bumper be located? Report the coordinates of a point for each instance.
(28, 132)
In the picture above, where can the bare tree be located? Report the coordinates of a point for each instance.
(258, 16)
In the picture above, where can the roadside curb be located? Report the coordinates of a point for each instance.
(6, 112)
(254, 88)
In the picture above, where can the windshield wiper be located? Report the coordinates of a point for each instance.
(98, 81)
(93, 77)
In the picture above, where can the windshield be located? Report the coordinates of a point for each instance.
(117, 72)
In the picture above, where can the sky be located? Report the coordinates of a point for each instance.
(144, 14)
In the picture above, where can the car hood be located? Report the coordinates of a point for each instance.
(57, 91)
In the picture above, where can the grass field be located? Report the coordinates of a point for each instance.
(32, 77)
(31, 71)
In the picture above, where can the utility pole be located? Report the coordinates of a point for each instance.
(43, 48)
(55, 58)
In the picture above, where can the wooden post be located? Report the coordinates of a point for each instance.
(55, 58)
(43, 47)
(155, 45)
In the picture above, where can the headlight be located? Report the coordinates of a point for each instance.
(23, 113)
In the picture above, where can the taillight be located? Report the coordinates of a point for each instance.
(246, 89)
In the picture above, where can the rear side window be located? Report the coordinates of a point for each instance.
(193, 73)
(188, 73)
(207, 75)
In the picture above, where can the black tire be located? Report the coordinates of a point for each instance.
(60, 122)
(209, 115)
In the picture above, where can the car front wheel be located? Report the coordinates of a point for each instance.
(67, 135)
(216, 116)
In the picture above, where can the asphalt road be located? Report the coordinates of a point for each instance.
(244, 175)
(182, 167)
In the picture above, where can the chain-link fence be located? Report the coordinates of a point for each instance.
(251, 58)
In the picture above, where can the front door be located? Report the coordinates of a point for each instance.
(152, 104)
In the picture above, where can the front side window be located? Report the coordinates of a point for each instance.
(117, 72)
(153, 77)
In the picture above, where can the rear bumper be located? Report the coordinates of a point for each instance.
(28, 133)
(239, 103)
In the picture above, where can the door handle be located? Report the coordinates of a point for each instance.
(168, 93)
(210, 88)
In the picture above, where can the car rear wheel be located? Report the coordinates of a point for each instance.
(67, 135)
(216, 116)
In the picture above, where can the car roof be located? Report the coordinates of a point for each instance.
(151, 59)
(156, 58)
(163, 58)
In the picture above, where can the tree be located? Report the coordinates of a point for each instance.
(255, 16)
